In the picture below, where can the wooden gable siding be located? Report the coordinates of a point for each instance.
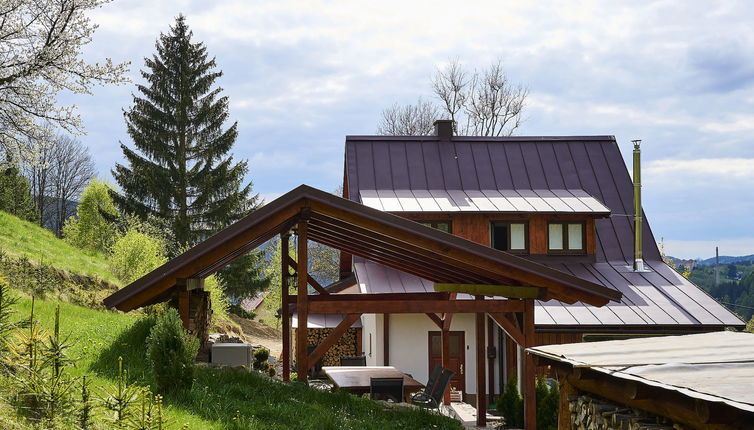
(476, 226)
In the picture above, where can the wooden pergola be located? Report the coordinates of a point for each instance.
(468, 277)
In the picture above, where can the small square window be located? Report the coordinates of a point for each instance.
(440, 225)
(509, 236)
(566, 237)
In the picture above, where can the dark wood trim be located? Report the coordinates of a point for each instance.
(447, 320)
(529, 382)
(445, 345)
(508, 327)
(481, 380)
(386, 339)
(302, 303)
(435, 319)
(332, 338)
(490, 360)
(286, 312)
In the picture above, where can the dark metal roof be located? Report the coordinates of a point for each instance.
(590, 163)
(379, 236)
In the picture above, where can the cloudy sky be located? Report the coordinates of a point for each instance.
(302, 75)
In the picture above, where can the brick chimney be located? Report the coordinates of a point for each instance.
(444, 129)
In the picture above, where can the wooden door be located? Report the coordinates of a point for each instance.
(457, 356)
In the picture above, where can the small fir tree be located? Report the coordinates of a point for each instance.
(15, 196)
(171, 351)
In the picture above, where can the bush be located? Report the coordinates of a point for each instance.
(134, 254)
(171, 351)
(91, 229)
(511, 405)
(548, 402)
(260, 358)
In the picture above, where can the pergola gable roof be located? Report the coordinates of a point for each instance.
(357, 229)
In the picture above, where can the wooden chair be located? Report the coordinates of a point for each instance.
(432, 398)
(389, 389)
(360, 360)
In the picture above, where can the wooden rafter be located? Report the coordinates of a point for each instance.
(509, 327)
(508, 291)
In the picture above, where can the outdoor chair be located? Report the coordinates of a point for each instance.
(431, 381)
(389, 389)
(360, 360)
(432, 398)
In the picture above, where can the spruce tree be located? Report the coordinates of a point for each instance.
(181, 169)
(15, 196)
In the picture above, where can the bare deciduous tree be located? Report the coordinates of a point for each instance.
(57, 175)
(40, 55)
(482, 103)
(409, 120)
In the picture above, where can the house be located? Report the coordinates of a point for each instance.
(455, 250)
(564, 202)
(698, 381)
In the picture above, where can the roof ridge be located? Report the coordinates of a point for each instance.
(487, 139)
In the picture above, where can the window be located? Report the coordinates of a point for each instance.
(440, 225)
(510, 236)
(566, 237)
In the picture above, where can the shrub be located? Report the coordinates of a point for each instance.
(260, 358)
(548, 402)
(171, 351)
(91, 229)
(134, 254)
(217, 297)
(511, 405)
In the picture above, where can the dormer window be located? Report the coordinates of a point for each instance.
(566, 238)
(510, 236)
(440, 225)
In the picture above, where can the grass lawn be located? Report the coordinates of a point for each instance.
(220, 398)
(25, 239)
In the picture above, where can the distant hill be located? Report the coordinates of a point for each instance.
(726, 259)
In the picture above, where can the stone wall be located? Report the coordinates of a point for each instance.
(592, 413)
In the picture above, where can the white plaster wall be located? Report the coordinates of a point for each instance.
(371, 338)
(409, 343)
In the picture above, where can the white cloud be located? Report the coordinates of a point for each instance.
(706, 169)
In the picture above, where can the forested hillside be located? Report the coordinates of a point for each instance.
(736, 287)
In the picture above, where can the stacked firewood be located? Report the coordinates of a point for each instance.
(345, 347)
(589, 413)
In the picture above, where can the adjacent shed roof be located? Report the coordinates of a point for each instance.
(366, 232)
(716, 367)
(532, 201)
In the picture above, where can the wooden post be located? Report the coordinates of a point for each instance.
(302, 303)
(286, 310)
(564, 412)
(491, 361)
(481, 381)
(445, 339)
(529, 383)
(183, 306)
(386, 338)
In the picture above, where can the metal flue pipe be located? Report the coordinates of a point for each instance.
(638, 258)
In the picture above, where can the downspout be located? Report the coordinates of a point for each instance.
(638, 259)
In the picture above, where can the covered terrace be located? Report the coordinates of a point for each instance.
(468, 277)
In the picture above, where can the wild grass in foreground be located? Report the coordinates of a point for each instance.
(220, 398)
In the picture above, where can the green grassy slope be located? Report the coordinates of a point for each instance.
(24, 239)
(221, 398)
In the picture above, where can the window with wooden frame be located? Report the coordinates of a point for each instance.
(440, 225)
(510, 236)
(566, 238)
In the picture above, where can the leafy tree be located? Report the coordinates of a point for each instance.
(180, 169)
(41, 44)
(135, 254)
(92, 229)
(750, 326)
(15, 197)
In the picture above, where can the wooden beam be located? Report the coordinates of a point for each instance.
(386, 339)
(286, 310)
(302, 304)
(530, 375)
(320, 304)
(447, 320)
(508, 291)
(509, 327)
(481, 391)
(332, 338)
(445, 351)
(311, 281)
(435, 319)
(490, 360)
